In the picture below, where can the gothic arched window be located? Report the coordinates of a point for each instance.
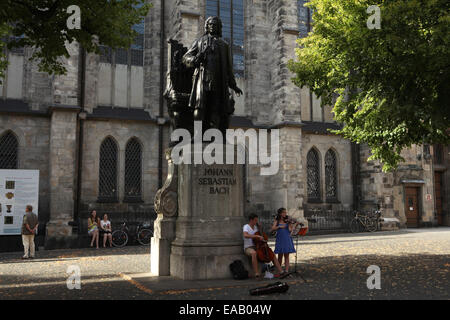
(331, 181)
(107, 182)
(133, 170)
(313, 175)
(8, 151)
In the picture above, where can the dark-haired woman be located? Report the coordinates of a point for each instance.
(284, 245)
(93, 228)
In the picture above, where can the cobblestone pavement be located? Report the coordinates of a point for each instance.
(414, 264)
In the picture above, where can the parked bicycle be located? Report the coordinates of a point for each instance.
(365, 222)
(142, 233)
(376, 215)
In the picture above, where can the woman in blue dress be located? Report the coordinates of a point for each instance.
(284, 245)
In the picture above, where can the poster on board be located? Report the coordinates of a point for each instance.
(18, 188)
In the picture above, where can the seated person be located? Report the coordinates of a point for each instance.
(93, 228)
(250, 249)
(107, 231)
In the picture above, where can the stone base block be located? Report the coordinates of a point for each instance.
(160, 246)
(159, 259)
(58, 229)
(389, 224)
(68, 242)
(204, 262)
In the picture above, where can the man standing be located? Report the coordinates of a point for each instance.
(29, 227)
(249, 248)
(213, 75)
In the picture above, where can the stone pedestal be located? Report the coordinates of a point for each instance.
(210, 220)
(166, 205)
(205, 232)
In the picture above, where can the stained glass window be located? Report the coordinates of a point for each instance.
(304, 18)
(313, 175)
(107, 182)
(137, 48)
(136, 51)
(121, 56)
(133, 170)
(8, 151)
(331, 183)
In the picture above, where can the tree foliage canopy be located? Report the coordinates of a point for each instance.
(390, 87)
(42, 24)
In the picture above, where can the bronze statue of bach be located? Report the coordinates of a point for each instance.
(210, 57)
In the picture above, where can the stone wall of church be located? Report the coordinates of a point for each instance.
(342, 149)
(267, 193)
(95, 132)
(388, 188)
(33, 135)
(258, 70)
(37, 86)
(152, 58)
(283, 34)
(270, 100)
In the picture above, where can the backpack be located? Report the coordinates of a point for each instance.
(238, 270)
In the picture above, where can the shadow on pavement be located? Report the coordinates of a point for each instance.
(14, 257)
(412, 276)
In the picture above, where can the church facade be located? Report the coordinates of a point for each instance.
(98, 134)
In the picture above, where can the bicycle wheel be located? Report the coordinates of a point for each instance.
(144, 236)
(119, 238)
(355, 226)
(372, 225)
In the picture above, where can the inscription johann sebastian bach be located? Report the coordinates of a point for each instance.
(218, 180)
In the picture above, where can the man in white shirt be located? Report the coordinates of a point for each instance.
(249, 248)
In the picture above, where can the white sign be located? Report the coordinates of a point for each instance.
(18, 188)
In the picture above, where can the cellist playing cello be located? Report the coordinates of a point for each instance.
(249, 248)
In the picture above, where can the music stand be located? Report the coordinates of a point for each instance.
(301, 233)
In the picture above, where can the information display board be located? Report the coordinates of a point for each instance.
(18, 188)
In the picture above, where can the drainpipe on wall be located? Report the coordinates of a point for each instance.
(356, 175)
(81, 117)
(161, 98)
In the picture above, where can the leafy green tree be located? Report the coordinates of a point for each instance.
(3, 63)
(389, 87)
(43, 25)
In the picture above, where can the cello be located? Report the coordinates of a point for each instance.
(263, 251)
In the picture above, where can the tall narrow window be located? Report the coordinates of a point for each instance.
(438, 154)
(133, 171)
(137, 48)
(8, 151)
(133, 56)
(231, 12)
(313, 175)
(331, 183)
(107, 182)
(304, 18)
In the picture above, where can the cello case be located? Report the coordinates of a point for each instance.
(277, 287)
